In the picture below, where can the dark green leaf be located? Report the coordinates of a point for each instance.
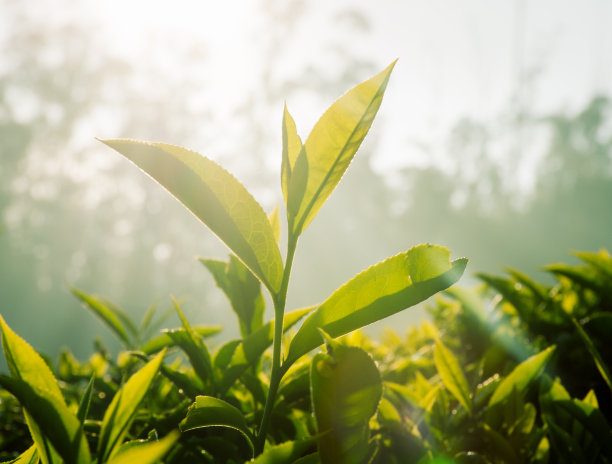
(599, 362)
(241, 288)
(346, 388)
(208, 411)
(249, 351)
(164, 340)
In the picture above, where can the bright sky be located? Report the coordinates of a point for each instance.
(457, 59)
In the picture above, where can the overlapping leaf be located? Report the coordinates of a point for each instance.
(36, 388)
(311, 174)
(208, 411)
(216, 198)
(147, 453)
(452, 375)
(120, 413)
(241, 288)
(111, 314)
(378, 292)
(346, 388)
(521, 376)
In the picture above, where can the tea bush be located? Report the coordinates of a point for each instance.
(513, 371)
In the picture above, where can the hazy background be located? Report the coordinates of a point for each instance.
(494, 139)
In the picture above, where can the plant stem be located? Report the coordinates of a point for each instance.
(276, 375)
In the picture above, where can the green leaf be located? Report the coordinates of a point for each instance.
(521, 376)
(580, 429)
(147, 453)
(29, 456)
(249, 350)
(85, 401)
(208, 411)
(308, 178)
(34, 385)
(378, 292)
(452, 375)
(599, 362)
(286, 453)
(122, 409)
(242, 289)
(216, 198)
(292, 146)
(194, 347)
(110, 314)
(346, 388)
(164, 340)
(274, 218)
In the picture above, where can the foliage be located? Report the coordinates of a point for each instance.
(501, 378)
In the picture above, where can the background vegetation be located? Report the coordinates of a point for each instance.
(71, 212)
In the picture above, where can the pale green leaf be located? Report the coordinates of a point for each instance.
(452, 375)
(34, 385)
(122, 410)
(110, 314)
(292, 145)
(147, 453)
(274, 218)
(521, 376)
(208, 411)
(378, 292)
(216, 198)
(329, 149)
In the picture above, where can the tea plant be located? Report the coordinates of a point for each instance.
(246, 404)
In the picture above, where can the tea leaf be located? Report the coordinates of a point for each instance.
(599, 362)
(274, 218)
(346, 388)
(110, 314)
(242, 289)
(286, 453)
(452, 375)
(85, 401)
(378, 292)
(250, 349)
(147, 453)
(194, 347)
(521, 376)
(328, 150)
(216, 198)
(122, 409)
(164, 340)
(292, 146)
(29, 456)
(208, 411)
(34, 385)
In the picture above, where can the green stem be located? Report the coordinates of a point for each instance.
(276, 374)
